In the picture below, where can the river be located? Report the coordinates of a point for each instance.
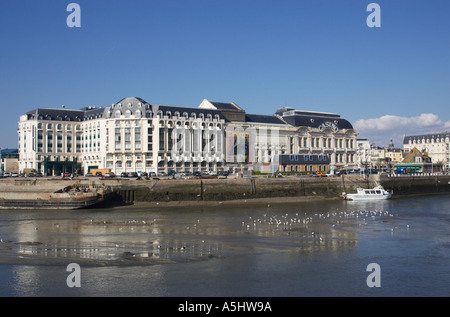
(313, 248)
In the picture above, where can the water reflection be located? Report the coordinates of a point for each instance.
(124, 236)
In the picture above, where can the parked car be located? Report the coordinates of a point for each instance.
(143, 174)
(152, 174)
(66, 174)
(14, 174)
(98, 174)
(7, 174)
(123, 174)
(110, 174)
(132, 174)
(89, 174)
(321, 174)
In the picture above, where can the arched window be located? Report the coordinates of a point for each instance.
(117, 114)
(137, 114)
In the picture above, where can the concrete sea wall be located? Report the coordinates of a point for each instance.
(417, 184)
(210, 190)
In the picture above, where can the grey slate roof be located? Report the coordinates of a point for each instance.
(315, 122)
(442, 135)
(259, 118)
(225, 105)
(129, 103)
(56, 114)
(289, 115)
(135, 101)
(312, 119)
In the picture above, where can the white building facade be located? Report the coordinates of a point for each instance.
(133, 135)
(437, 145)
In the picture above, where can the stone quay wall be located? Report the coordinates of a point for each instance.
(209, 189)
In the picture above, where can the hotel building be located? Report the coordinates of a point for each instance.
(133, 135)
(436, 145)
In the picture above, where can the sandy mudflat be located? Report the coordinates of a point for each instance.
(253, 201)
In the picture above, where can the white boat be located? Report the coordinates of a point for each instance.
(376, 193)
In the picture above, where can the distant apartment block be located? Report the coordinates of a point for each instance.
(436, 145)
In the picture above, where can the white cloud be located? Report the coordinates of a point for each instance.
(381, 130)
(389, 122)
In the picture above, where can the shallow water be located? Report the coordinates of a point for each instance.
(318, 248)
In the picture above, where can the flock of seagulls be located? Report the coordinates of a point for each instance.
(310, 221)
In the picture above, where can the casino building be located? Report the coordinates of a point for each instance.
(133, 135)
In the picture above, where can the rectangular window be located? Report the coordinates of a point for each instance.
(161, 139)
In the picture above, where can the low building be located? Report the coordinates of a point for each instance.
(416, 161)
(9, 160)
(304, 163)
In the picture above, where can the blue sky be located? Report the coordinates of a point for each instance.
(315, 55)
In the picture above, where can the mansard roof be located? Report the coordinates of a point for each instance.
(134, 103)
(259, 118)
(285, 115)
(188, 110)
(441, 135)
(225, 105)
(60, 114)
(313, 119)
